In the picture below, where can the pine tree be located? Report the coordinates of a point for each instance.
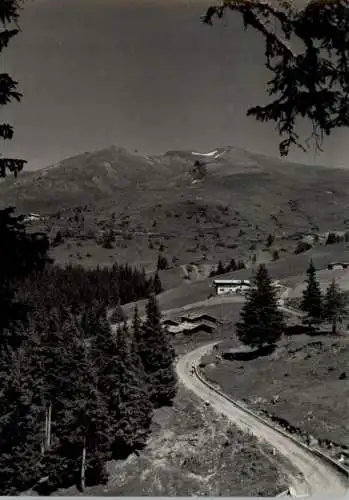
(220, 268)
(118, 314)
(232, 265)
(312, 301)
(334, 307)
(276, 255)
(122, 382)
(270, 240)
(261, 322)
(162, 262)
(157, 356)
(20, 433)
(80, 421)
(135, 408)
(157, 284)
(20, 254)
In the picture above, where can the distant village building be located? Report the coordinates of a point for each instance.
(191, 323)
(230, 286)
(195, 317)
(32, 217)
(337, 265)
(191, 328)
(169, 322)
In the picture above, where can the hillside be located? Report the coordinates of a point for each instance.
(198, 207)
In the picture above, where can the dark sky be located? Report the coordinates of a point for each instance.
(146, 76)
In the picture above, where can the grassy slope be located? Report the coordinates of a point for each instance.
(304, 373)
(240, 200)
(288, 269)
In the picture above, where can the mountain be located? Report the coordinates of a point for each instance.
(205, 201)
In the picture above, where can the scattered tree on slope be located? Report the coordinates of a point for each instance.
(312, 301)
(157, 286)
(334, 306)
(261, 322)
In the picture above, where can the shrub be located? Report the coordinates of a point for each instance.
(270, 240)
(162, 263)
(333, 238)
(276, 255)
(302, 246)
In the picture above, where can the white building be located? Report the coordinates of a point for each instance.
(228, 287)
(32, 217)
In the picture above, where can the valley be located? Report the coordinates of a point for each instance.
(112, 206)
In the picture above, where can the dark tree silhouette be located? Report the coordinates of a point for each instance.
(20, 254)
(307, 53)
(9, 14)
(312, 299)
(261, 323)
(157, 286)
(162, 263)
(157, 356)
(334, 307)
(20, 429)
(79, 415)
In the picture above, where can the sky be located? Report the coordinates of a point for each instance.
(144, 75)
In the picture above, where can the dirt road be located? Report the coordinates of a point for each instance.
(319, 477)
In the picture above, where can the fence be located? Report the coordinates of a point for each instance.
(341, 469)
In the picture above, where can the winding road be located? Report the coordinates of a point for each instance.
(316, 476)
(319, 477)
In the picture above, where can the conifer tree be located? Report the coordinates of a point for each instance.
(157, 356)
(135, 337)
(122, 382)
(334, 307)
(220, 268)
(118, 314)
(261, 322)
(20, 432)
(80, 420)
(157, 284)
(311, 303)
(135, 408)
(20, 254)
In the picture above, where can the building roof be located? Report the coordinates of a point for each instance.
(239, 350)
(231, 282)
(185, 326)
(228, 280)
(198, 315)
(169, 321)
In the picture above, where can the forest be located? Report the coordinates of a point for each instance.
(74, 393)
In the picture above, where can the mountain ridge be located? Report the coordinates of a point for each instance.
(187, 182)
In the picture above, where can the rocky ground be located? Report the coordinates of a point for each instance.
(194, 451)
